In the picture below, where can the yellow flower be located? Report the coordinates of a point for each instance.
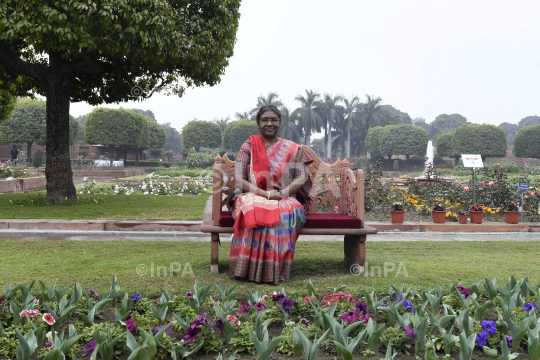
(492, 212)
(496, 211)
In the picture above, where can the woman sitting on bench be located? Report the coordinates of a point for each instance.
(269, 172)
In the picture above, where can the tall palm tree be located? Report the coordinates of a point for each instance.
(289, 126)
(240, 115)
(223, 123)
(271, 99)
(308, 113)
(351, 114)
(331, 109)
(372, 114)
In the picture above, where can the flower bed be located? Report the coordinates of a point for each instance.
(7, 171)
(181, 188)
(481, 320)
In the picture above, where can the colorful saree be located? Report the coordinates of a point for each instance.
(262, 248)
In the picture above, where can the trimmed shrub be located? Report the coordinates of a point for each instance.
(373, 140)
(37, 159)
(445, 145)
(486, 140)
(403, 140)
(200, 160)
(199, 133)
(237, 132)
(143, 163)
(527, 142)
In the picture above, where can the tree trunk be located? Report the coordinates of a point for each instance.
(348, 153)
(307, 138)
(58, 166)
(118, 153)
(329, 145)
(326, 139)
(111, 154)
(136, 157)
(29, 153)
(125, 156)
(407, 162)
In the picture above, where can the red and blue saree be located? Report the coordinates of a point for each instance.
(262, 248)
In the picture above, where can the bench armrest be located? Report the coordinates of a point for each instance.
(353, 194)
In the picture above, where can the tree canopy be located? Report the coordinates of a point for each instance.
(199, 133)
(445, 145)
(115, 127)
(174, 138)
(445, 123)
(528, 121)
(7, 104)
(373, 140)
(527, 142)
(486, 140)
(403, 140)
(237, 133)
(106, 52)
(510, 130)
(158, 135)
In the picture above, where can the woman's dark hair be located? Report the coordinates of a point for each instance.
(268, 108)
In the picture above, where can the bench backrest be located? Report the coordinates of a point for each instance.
(336, 188)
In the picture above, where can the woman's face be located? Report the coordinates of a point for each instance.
(269, 124)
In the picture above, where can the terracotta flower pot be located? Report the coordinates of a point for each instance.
(476, 217)
(512, 217)
(439, 217)
(397, 216)
(167, 165)
(462, 219)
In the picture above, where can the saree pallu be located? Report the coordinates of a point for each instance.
(266, 253)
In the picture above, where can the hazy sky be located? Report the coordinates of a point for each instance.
(475, 58)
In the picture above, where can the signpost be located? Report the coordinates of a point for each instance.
(522, 187)
(474, 161)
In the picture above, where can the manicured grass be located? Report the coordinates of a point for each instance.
(422, 264)
(114, 207)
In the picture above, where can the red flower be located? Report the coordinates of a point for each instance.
(308, 299)
(48, 319)
(501, 166)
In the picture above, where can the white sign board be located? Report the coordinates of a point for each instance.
(474, 161)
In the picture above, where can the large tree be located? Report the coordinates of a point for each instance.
(351, 115)
(403, 140)
(331, 111)
(106, 52)
(510, 130)
(528, 121)
(445, 145)
(7, 103)
(290, 129)
(309, 113)
(485, 140)
(445, 123)
(237, 133)
(174, 138)
(271, 99)
(199, 133)
(223, 122)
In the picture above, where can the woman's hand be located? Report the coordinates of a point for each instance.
(276, 195)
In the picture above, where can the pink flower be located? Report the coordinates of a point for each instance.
(336, 209)
(532, 194)
(501, 166)
(48, 319)
(25, 313)
(48, 345)
(466, 189)
(308, 299)
(490, 183)
(231, 318)
(365, 318)
(326, 303)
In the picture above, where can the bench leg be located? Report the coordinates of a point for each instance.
(214, 253)
(355, 253)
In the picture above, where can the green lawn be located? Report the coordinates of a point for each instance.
(93, 263)
(114, 207)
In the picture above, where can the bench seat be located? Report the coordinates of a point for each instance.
(313, 221)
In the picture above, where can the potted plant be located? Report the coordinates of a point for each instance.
(512, 213)
(397, 213)
(477, 213)
(462, 216)
(168, 154)
(439, 213)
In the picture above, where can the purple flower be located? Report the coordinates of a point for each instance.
(191, 334)
(278, 297)
(481, 339)
(304, 321)
(463, 290)
(49, 345)
(158, 328)
(399, 298)
(408, 305)
(91, 347)
(130, 324)
(286, 304)
(528, 306)
(362, 307)
(295, 304)
(92, 292)
(365, 318)
(409, 331)
(219, 324)
(351, 316)
(508, 341)
(2, 298)
(135, 297)
(199, 321)
(189, 294)
(259, 307)
(243, 309)
(489, 326)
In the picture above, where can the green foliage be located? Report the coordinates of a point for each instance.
(37, 159)
(528, 121)
(26, 123)
(174, 139)
(510, 130)
(199, 133)
(237, 133)
(445, 145)
(40, 200)
(143, 163)
(403, 140)
(373, 140)
(396, 165)
(445, 123)
(486, 140)
(527, 142)
(158, 135)
(115, 127)
(7, 104)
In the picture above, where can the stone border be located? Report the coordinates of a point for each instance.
(21, 185)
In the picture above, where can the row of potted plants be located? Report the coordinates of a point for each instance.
(476, 213)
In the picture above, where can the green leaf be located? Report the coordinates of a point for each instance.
(492, 353)
(139, 354)
(55, 354)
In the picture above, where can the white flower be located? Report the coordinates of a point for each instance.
(145, 193)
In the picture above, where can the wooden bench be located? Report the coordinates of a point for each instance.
(336, 188)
